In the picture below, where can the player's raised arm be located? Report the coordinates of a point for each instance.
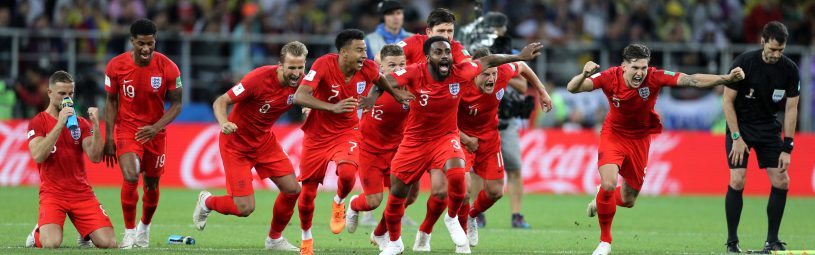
(94, 146)
(529, 52)
(111, 110)
(529, 75)
(581, 82)
(708, 80)
(40, 147)
(384, 83)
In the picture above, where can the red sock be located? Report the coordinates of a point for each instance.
(130, 197)
(435, 207)
(481, 204)
(37, 238)
(347, 176)
(360, 204)
(149, 203)
(282, 212)
(305, 205)
(222, 204)
(456, 190)
(606, 207)
(393, 216)
(382, 227)
(463, 212)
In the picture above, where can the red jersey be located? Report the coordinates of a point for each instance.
(632, 112)
(259, 100)
(62, 174)
(433, 113)
(329, 85)
(383, 124)
(414, 49)
(478, 112)
(141, 89)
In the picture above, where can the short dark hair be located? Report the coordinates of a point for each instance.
(346, 36)
(430, 42)
(294, 49)
(142, 27)
(481, 52)
(636, 51)
(439, 16)
(391, 50)
(775, 30)
(60, 76)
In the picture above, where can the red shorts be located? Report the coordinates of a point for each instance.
(487, 164)
(151, 154)
(269, 161)
(413, 159)
(86, 215)
(375, 170)
(317, 154)
(630, 155)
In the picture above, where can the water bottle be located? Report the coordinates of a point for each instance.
(178, 239)
(71, 123)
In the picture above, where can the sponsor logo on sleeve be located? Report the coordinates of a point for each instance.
(310, 75)
(178, 82)
(30, 133)
(238, 89)
(107, 80)
(670, 73)
(401, 44)
(595, 75)
(465, 52)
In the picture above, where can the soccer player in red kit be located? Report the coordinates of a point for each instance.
(632, 90)
(440, 22)
(247, 141)
(431, 144)
(64, 187)
(332, 89)
(478, 124)
(382, 125)
(137, 83)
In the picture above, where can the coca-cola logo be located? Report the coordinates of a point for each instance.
(16, 165)
(570, 167)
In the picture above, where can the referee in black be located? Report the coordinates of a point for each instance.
(750, 107)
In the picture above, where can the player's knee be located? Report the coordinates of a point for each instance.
(291, 189)
(106, 242)
(131, 178)
(50, 243)
(440, 194)
(411, 199)
(737, 183)
(374, 200)
(629, 203)
(245, 210)
(495, 194)
(781, 181)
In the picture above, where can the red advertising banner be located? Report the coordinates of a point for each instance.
(554, 161)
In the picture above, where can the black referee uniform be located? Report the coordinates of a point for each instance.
(760, 96)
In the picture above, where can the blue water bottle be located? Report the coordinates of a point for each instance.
(71, 123)
(178, 239)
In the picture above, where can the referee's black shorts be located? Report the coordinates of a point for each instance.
(764, 138)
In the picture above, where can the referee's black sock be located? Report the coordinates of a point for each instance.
(733, 202)
(775, 210)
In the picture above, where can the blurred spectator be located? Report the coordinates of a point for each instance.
(32, 90)
(760, 14)
(390, 31)
(7, 101)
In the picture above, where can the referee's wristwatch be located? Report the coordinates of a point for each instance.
(735, 136)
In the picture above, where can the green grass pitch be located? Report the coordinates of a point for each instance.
(656, 225)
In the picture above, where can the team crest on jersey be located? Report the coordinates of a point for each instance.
(499, 94)
(644, 92)
(290, 100)
(360, 87)
(75, 133)
(155, 82)
(454, 88)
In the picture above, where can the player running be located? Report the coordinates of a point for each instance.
(64, 187)
(429, 142)
(247, 142)
(331, 133)
(632, 89)
(382, 125)
(137, 83)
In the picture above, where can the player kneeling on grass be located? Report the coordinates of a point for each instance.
(247, 141)
(64, 188)
(632, 90)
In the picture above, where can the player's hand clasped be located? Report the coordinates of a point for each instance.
(590, 68)
(345, 105)
(64, 114)
(228, 128)
(738, 151)
(736, 75)
(93, 114)
(146, 133)
(546, 102)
